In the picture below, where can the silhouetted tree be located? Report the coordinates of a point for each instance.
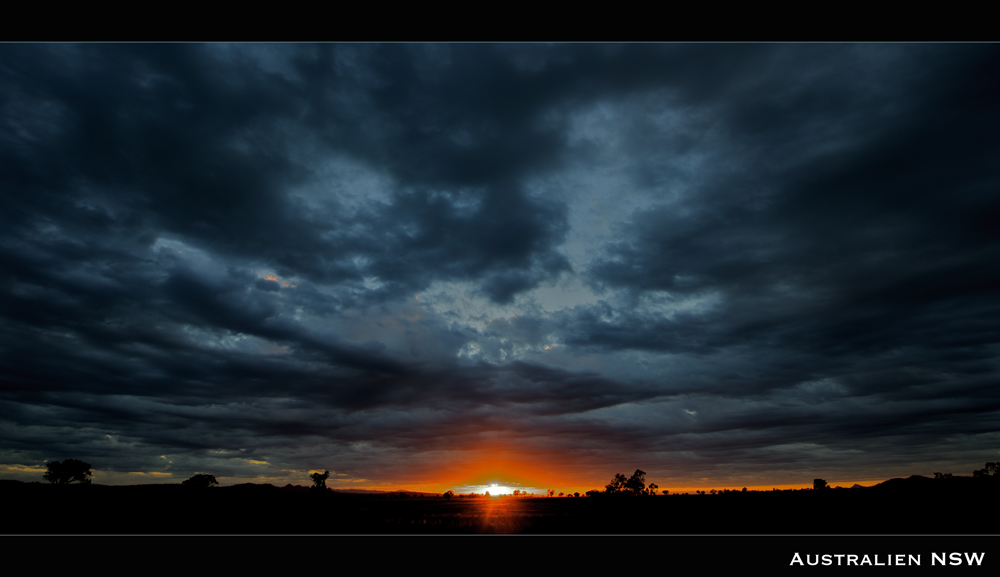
(319, 480)
(943, 475)
(820, 484)
(991, 470)
(201, 481)
(68, 471)
(551, 492)
(448, 494)
(617, 485)
(634, 485)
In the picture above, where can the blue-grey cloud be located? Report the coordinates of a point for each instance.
(686, 255)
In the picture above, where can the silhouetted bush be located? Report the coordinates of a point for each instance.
(319, 480)
(68, 471)
(991, 470)
(201, 481)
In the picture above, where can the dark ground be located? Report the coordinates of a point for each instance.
(914, 506)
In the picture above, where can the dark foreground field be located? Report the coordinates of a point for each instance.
(902, 506)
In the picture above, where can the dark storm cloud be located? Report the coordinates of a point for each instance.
(212, 247)
(872, 264)
(858, 250)
(194, 143)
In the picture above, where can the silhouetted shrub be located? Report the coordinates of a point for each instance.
(319, 480)
(68, 471)
(201, 481)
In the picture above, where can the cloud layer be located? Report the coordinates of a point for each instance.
(416, 265)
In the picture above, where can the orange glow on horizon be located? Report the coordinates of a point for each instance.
(490, 464)
(781, 487)
(479, 477)
(476, 468)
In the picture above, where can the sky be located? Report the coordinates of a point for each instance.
(447, 266)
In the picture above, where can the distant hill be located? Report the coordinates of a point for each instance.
(374, 492)
(920, 484)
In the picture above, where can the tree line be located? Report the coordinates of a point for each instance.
(76, 471)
